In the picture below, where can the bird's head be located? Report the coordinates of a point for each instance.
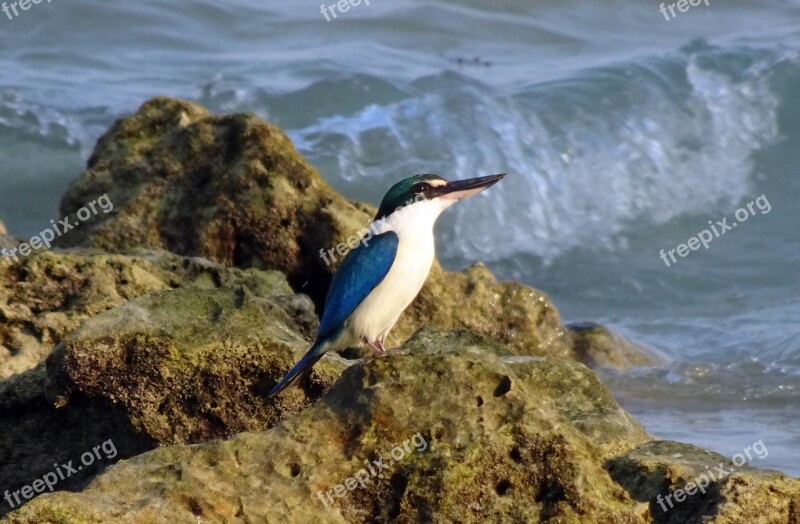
(431, 192)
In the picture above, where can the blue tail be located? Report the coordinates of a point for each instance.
(300, 369)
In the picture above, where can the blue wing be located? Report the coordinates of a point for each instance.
(361, 271)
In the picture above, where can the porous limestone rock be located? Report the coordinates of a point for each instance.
(454, 428)
(503, 442)
(47, 295)
(181, 365)
(720, 490)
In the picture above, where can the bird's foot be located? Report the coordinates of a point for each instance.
(391, 351)
(379, 351)
(376, 347)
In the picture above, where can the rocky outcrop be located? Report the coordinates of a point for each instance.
(597, 346)
(504, 441)
(185, 365)
(47, 295)
(519, 317)
(683, 483)
(497, 438)
(191, 365)
(232, 188)
(229, 188)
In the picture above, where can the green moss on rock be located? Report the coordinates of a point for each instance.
(739, 493)
(47, 295)
(500, 446)
(229, 188)
(188, 365)
(184, 365)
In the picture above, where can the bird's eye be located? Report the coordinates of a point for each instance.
(421, 187)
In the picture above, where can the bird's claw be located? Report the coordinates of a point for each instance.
(379, 351)
(376, 347)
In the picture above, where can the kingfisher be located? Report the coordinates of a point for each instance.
(379, 278)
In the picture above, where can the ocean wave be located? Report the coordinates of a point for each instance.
(638, 143)
(48, 125)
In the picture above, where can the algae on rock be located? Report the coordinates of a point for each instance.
(189, 365)
(183, 365)
(501, 446)
(229, 188)
(506, 441)
(47, 295)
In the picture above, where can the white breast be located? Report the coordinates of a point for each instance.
(378, 313)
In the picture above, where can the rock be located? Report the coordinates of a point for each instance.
(183, 365)
(38, 439)
(505, 442)
(519, 317)
(189, 365)
(732, 494)
(47, 295)
(229, 188)
(232, 188)
(597, 346)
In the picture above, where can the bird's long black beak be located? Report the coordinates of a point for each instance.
(460, 189)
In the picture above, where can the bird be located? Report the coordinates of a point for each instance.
(381, 276)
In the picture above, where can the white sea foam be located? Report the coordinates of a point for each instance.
(590, 157)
